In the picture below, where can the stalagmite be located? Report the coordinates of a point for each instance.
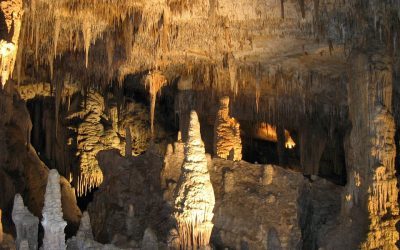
(149, 241)
(194, 199)
(85, 229)
(26, 225)
(227, 141)
(53, 223)
(155, 81)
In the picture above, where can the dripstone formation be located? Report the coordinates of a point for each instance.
(202, 124)
(194, 198)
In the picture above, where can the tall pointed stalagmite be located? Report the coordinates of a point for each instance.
(194, 199)
(52, 222)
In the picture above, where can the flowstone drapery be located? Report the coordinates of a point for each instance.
(227, 141)
(194, 199)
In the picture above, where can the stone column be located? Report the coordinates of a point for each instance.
(52, 222)
(372, 184)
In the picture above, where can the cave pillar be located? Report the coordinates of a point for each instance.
(128, 143)
(371, 150)
(1, 228)
(26, 225)
(312, 144)
(280, 131)
(194, 199)
(227, 141)
(53, 222)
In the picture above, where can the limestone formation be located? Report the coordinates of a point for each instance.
(13, 12)
(149, 241)
(85, 229)
(1, 227)
(26, 225)
(84, 238)
(372, 150)
(171, 171)
(52, 222)
(194, 199)
(155, 81)
(227, 141)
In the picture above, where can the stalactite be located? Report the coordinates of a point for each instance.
(87, 39)
(56, 33)
(155, 81)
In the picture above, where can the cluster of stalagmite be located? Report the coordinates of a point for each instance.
(26, 225)
(155, 80)
(373, 150)
(13, 11)
(227, 141)
(53, 222)
(194, 198)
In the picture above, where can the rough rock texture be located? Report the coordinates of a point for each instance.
(12, 13)
(374, 189)
(149, 241)
(227, 141)
(194, 198)
(155, 81)
(21, 169)
(52, 222)
(84, 238)
(129, 199)
(171, 171)
(26, 225)
(1, 227)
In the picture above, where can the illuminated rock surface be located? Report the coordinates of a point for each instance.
(98, 90)
(194, 198)
(26, 224)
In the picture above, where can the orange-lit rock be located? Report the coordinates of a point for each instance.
(227, 141)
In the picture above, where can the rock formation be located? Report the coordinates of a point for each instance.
(13, 12)
(1, 227)
(149, 241)
(194, 198)
(84, 238)
(26, 225)
(52, 222)
(155, 81)
(227, 141)
(373, 150)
